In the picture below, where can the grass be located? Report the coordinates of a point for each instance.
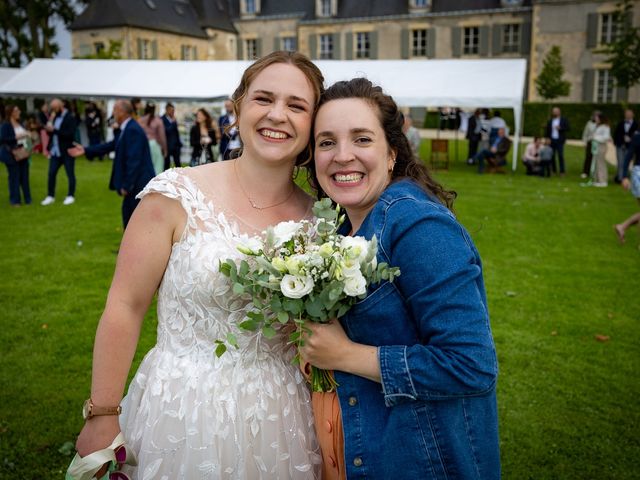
(555, 277)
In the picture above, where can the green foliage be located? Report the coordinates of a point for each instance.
(26, 32)
(549, 83)
(554, 273)
(624, 53)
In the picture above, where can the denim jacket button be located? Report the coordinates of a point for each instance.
(353, 401)
(357, 462)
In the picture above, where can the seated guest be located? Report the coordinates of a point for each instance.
(531, 157)
(496, 154)
(546, 157)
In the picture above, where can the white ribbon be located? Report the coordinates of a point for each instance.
(85, 468)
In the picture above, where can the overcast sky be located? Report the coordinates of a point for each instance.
(63, 39)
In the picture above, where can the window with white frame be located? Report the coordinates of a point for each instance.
(326, 47)
(363, 46)
(419, 3)
(146, 52)
(288, 44)
(608, 28)
(325, 8)
(605, 91)
(251, 48)
(250, 7)
(511, 38)
(471, 41)
(419, 43)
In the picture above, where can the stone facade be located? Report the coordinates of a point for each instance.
(142, 44)
(484, 29)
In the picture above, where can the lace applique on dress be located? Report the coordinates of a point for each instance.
(191, 415)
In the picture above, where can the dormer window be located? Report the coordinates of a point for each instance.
(250, 7)
(419, 4)
(326, 8)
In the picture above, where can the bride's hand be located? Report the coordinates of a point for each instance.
(97, 433)
(325, 345)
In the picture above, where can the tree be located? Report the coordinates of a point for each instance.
(624, 52)
(549, 83)
(26, 30)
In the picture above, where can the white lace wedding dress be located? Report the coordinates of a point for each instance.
(190, 415)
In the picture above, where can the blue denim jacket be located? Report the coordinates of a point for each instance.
(434, 416)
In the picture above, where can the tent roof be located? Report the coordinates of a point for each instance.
(461, 83)
(7, 74)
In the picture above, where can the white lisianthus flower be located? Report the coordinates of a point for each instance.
(326, 250)
(293, 286)
(355, 285)
(250, 245)
(284, 231)
(279, 264)
(350, 268)
(355, 247)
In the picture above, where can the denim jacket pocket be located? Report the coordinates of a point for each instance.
(372, 298)
(429, 442)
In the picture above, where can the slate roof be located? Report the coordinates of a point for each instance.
(192, 17)
(173, 16)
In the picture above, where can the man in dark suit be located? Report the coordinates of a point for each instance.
(61, 129)
(230, 140)
(132, 168)
(622, 140)
(173, 137)
(496, 155)
(474, 134)
(557, 128)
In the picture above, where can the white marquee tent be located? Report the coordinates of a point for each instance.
(417, 83)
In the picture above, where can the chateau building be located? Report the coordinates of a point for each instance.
(360, 29)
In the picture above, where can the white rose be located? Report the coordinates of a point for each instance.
(284, 231)
(292, 286)
(358, 247)
(355, 285)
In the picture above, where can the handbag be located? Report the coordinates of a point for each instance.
(20, 154)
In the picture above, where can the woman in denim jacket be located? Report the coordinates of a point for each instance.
(415, 360)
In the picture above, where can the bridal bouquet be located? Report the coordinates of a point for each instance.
(303, 271)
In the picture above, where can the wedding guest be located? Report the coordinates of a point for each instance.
(189, 414)
(229, 135)
(601, 137)
(496, 123)
(174, 144)
(136, 104)
(415, 360)
(132, 168)
(531, 157)
(546, 157)
(203, 137)
(622, 140)
(556, 130)
(474, 134)
(43, 120)
(587, 136)
(631, 181)
(153, 127)
(93, 120)
(412, 134)
(496, 154)
(14, 137)
(62, 130)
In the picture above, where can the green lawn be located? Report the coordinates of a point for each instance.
(555, 275)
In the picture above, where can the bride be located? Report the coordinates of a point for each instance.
(187, 413)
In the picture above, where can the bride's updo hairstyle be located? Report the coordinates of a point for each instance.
(298, 60)
(391, 120)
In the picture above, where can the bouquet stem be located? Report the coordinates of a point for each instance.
(322, 380)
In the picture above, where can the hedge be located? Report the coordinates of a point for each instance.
(537, 114)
